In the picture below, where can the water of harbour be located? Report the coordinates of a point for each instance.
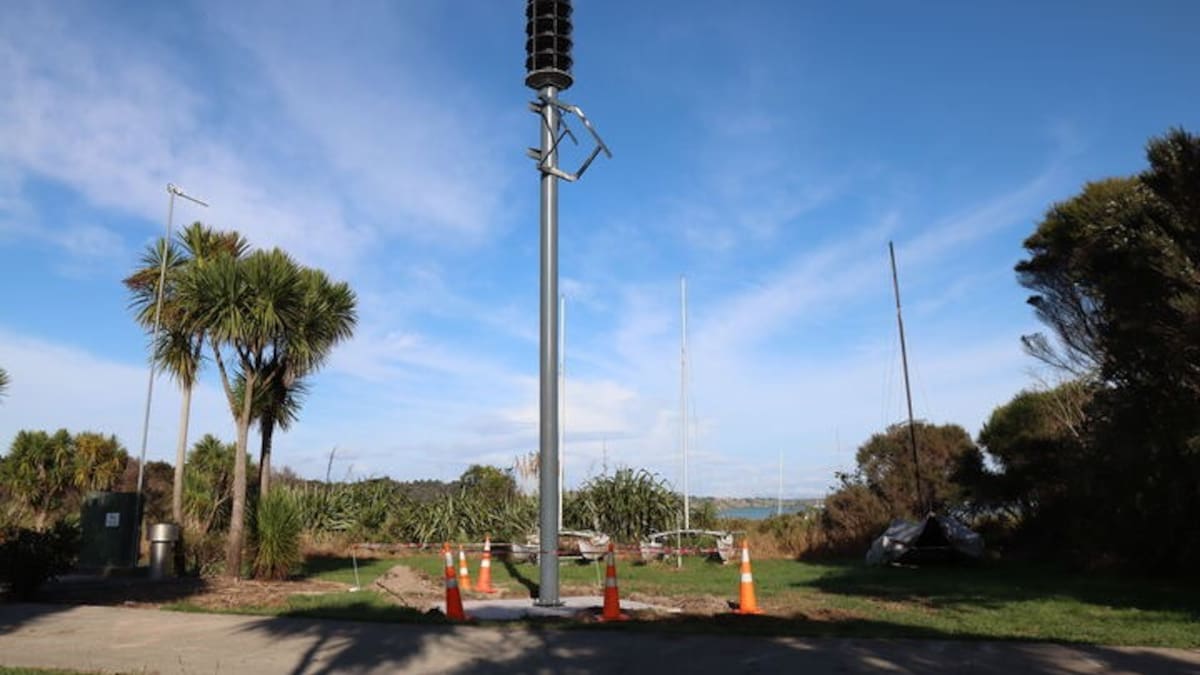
(756, 512)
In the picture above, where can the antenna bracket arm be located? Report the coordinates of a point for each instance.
(542, 158)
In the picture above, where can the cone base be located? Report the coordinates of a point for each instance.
(754, 610)
(619, 617)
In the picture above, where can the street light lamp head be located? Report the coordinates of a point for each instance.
(548, 44)
(174, 190)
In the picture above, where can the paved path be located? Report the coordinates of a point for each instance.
(149, 641)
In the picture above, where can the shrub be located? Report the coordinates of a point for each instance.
(627, 505)
(29, 558)
(278, 528)
(203, 552)
(791, 534)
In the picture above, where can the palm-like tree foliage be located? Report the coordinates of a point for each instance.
(209, 483)
(38, 472)
(99, 461)
(179, 348)
(3, 383)
(326, 317)
(244, 306)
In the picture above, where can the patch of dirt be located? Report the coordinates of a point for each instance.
(703, 605)
(407, 587)
(224, 593)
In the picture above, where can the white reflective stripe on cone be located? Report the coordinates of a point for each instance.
(747, 578)
(485, 563)
(451, 582)
(610, 582)
(745, 555)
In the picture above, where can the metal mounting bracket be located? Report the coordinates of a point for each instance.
(537, 107)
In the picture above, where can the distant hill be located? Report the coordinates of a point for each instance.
(727, 503)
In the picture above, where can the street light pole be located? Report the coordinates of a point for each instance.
(173, 191)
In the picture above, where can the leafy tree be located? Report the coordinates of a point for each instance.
(1036, 447)
(885, 464)
(489, 484)
(1115, 273)
(853, 515)
(883, 486)
(3, 383)
(39, 473)
(179, 350)
(99, 461)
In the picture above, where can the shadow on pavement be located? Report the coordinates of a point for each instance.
(337, 646)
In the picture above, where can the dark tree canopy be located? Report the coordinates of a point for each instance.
(1115, 273)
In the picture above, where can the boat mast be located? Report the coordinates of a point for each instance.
(683, 425)
(779, 496)
(912, 429)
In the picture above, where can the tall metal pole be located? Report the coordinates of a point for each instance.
(548, 447)
(562, 401)
(548, 71)
(172, 190)
(683, 397)
(912, 428)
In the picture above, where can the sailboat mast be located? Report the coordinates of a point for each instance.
(779, 495)
(683, 421)
(912, 429)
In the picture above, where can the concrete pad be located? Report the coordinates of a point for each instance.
(514, 609)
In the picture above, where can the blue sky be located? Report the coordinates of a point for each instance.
(766, 150)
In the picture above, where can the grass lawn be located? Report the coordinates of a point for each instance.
(996, 601)
(987, 601)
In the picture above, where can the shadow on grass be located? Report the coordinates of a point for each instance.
(322, 564)
(530, 585)
(993, 585)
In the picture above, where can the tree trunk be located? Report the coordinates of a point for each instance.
(267, 426)
(181, 457)
(237, 521)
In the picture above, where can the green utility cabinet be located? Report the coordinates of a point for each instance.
(109, 529)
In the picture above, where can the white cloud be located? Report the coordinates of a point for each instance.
(57, 386)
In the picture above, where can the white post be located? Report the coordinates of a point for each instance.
(779, 497)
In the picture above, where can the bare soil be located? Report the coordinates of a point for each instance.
(408, 587)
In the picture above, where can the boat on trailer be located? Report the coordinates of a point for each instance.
(715, 544)
(586, 545)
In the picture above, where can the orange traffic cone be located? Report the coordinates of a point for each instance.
(747, 604)
(454, 606)
(612, 598)
(464, 575)
(484, 584)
